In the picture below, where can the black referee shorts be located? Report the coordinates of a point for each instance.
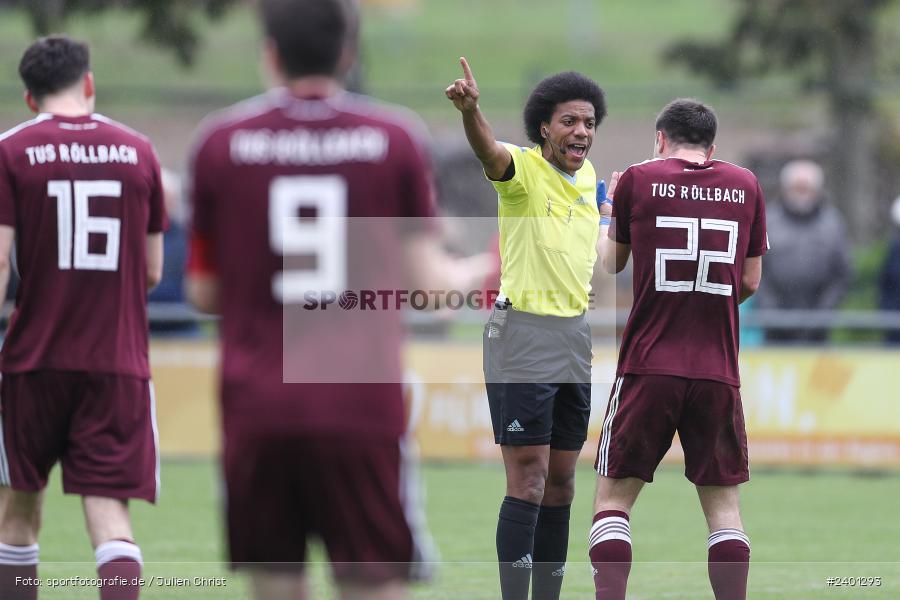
(538, 378)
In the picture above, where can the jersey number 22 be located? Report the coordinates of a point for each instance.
(692, 252)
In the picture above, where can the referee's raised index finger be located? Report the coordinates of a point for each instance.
(466, 69)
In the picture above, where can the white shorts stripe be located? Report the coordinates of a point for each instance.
(4, 460)
(155, 435)
(606, 435)
(612, 416)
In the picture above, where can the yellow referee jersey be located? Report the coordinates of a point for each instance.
(549, 224)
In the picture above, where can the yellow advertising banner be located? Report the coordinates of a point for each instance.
(802, 406)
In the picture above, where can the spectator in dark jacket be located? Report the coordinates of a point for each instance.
(808, 265)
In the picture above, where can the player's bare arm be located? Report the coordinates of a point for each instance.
(751, 277)
(7, 235)
(154, 259)
(464, 94)
(202, 291)
(201, 282)
(613, 255)
(431, 267)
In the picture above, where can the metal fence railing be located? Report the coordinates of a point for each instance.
(862, 320)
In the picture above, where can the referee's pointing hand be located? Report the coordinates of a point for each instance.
(464, 92)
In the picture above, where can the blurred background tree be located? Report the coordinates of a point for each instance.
(171, 24)
(834, 46)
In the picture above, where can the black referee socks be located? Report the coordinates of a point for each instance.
(515, 545)
(551, 546)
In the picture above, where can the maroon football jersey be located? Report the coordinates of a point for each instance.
(82, 194)
(351, 168)
(690, 227)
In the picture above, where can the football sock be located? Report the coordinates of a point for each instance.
(515, 545)
(610, 551)
(729, 563)
(18, 572)
(551, 545)
(119, 565)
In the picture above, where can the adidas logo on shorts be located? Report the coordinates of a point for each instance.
(523, 563)
(560, 572)
(515, 426)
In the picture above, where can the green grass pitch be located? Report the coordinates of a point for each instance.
(804, 529)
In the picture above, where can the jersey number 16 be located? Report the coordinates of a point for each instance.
(73, 246)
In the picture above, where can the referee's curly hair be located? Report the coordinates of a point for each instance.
(554, 90)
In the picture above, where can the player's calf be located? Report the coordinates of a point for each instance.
(119, 565)
(551, 546)
(610, 552)
(18, 572)
(551, 534)
(280, 586)
(119, 559)
(729, 563)
(728, 545)
(20, 516)
(19, 524)
(515, 546)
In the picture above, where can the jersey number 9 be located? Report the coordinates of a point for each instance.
(323, 236)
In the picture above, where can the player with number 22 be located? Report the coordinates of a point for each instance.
(697, 230)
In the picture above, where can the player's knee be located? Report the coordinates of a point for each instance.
(528, 486)
(529, 491)
(617, 494)
(20, 527)
(560, 489)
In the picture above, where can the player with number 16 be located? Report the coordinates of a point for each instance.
(81, 196)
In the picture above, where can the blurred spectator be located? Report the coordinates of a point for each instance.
(889, 281)
(171, 288)
(808, 265)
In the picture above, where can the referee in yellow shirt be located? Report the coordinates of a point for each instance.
(537, 344)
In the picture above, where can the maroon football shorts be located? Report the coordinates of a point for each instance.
(355, 493)
(645, 411)
(101, 427)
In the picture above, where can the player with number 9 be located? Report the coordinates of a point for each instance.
(304, 191)
(697, 230)
(82, 198)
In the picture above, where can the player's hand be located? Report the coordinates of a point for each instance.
(605, 204)
(464, 92)
(613, 182)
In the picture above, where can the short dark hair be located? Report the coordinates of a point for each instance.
(555, 90)
(688, 121)
(310, 35)
(52, 64)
